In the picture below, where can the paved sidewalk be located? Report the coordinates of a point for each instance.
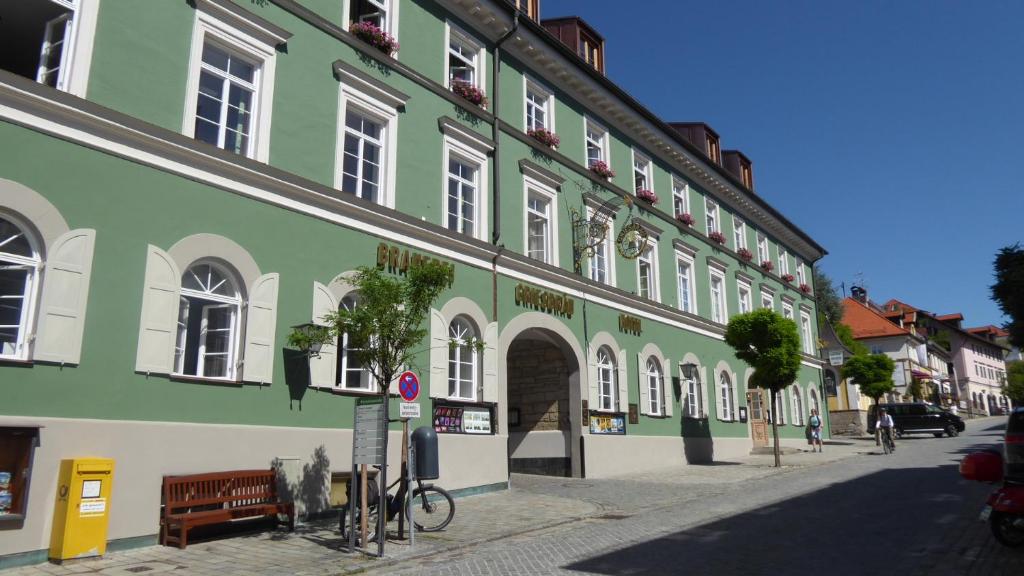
(534, 503)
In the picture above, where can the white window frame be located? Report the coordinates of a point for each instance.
(612, 369)
(692, 389)
(780, 405)
(739, 233)
(548, 106)
(209, 300)
(607, 250)
(787, 309)
(534, 187)
(590, 125)
(453, 33)
(30, 291)
(77, 49)
(767, 295)
(806, 333)
(744, 297)
(680, 196)
(344, 352)
(655, 382)
(390, 18)
(783, 261)
(209, 29)
(642, 168)
(474, 155)
(763, 253)
(801, 276)
(686, 260)
(718, 302)
(711, 216)
(376, 108)
(650, 255)
(726, 396)
(797, 404)
(455, 354)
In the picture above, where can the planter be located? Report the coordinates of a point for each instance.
(647, 195)
(787, 277)
(375, 37)
(685, 219)
(767, 266)
(602, 169)
(545, 137)
(805, 288)
(717, 237)
(471, 93)
(745, 254)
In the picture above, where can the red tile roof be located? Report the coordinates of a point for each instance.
(990, 329)
(866, 323)
(948, 317)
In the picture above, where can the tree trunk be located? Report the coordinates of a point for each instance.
(775, 429)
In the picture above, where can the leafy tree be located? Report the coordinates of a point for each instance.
(942, 339)
(830, 305)
(872, 373)
(1008, 291)
(916, 390)
(845, 334)
(770, 344)
(1014, 387)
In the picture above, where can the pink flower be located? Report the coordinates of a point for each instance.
(745, 254)
(470, 92)
(717, 237)
(648, 195)
(805, 288)
(602, 169)
(374, 36)
(545, 137)
(685, 218)
(787, 277)
(767, 265)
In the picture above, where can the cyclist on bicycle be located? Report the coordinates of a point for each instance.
(885, 424)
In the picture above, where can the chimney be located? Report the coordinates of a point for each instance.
(859, 294)
(703, 137)
(740, 166)
(579, 37)
(530, 8)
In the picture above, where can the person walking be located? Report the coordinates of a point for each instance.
(815, 423)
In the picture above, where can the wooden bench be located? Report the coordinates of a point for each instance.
(218, 498)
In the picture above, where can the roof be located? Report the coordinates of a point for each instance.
(990, 329)
(865, 322)
(949, 317)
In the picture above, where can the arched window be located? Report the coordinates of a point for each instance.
(725, 395)
(813, 394)
(655, 386)
(780, 407)
(209, 315)
(798, 406)
(20, 260)
(607, 386)
(352, 374)
(463, 360)
(694, 402)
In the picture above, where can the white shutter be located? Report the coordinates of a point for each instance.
(668, 398)
(623, 383)
(158, 325)
(645, 393)
(323, 370)
(491, 363)
(439, 355)
(716, 386)
(705, 400)
(65, 295)
(593, 397)
(260, 326)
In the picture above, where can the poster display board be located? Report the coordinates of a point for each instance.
(607, 423)
(456, 419)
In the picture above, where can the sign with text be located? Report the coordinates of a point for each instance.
(369, 433)
(607, 424)
(408, 410)
(449, 419)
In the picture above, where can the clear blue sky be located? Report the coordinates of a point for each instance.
(890, 131)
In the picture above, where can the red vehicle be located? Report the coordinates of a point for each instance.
(1004, 509)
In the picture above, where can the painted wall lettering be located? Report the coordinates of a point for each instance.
(550, 302)
(399, 260)
(629, 324)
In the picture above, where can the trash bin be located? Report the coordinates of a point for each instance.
(424, 442)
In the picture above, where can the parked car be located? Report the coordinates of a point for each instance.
(1014, 445)
(914, 418)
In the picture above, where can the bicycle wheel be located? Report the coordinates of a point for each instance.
(886, 444)
(371, 525)
(434, 508)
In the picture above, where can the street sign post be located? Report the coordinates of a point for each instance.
(408, 386)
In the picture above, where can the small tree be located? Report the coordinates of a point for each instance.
(872, 374)
(829, 304)
(1014, 387)
(1008, 291)
(770, 344)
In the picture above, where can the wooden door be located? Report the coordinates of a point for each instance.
(758, 417)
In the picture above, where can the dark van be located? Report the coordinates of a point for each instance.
(1014, 445)
(914, 418)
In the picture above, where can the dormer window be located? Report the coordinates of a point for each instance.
(712, 147)
(590, 51)
(529, 7)
(579, 37)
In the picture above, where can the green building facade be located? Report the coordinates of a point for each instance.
(183, 181)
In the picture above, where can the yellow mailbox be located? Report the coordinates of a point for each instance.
(83, 508)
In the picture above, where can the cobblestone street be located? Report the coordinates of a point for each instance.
(651, 523)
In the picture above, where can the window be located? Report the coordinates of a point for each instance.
(647, 272)
(684, 277)
(762, 248)
(465, 59)
(655, 387)
(376, 12)
(540, 243)
(798, 406)
(361, 172)
(739, 233)
(743, 293)
(607, 386)
(718, 309)
(209, 316)
(463, 361)
(590, 50)
(783, 261)
(540, 107)
(226, 100)
(805, 333)
(601, 261)
(597, 143)
(352, 374)
(780, 407)
(801, 277)
(528, 7)
(50, 41)
(725, 396)
(711, 216)
(787, 309)
(814, 399)
(876, 349)
(641, 172)
(680, 197)
(767, 300)
(463, 186)
(694, 402)
(20, 260)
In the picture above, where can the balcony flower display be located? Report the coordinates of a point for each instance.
(379, 39)
(544, 136)
(805, 288)
(787, 277)
(767, 266)
(647, 195)
(717, 237)
(745, 254)
(470, 92)
(685, 219)
(602, 169)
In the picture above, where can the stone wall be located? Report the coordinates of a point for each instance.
(848, 422)
(538, 386)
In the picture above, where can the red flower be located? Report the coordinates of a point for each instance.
(767, 265)
(717, 236)
(374, 36)
(602, 169)
(805, 288)
(745, 254)
(685, 219)
(470, 92)
(648, 195)
(787, 277)
(545, 137)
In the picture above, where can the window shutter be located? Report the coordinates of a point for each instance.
(645, 393)
(593, 400)
(260, 326)
(716, 385)
(439, 355)
(491, 363)
(158, 325)
(623, 383)
(668, 398)
(323, 370)
(705, 400)
(64, 298)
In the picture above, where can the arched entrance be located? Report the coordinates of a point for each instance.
(542, 383)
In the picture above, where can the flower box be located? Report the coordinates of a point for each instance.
(648, 195)
(374, 36)
(470, 92)
(745, 254)
(767, 266)
(805, 288)
(717, 237)
(685, 219)
(787, 277)
(544, 136)
(602, 169)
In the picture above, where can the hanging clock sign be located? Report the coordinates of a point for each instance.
(632, 240)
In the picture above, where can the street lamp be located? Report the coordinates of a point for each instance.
(689, 371)
(310, 338)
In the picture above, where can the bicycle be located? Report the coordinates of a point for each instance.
(888, 446)
(435, 507)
